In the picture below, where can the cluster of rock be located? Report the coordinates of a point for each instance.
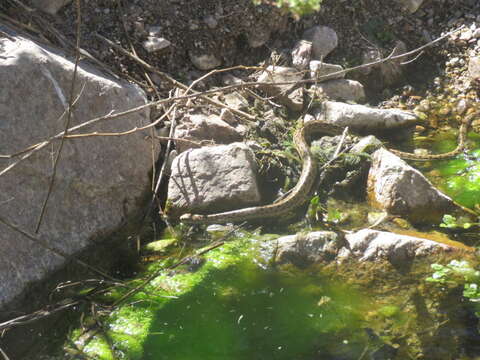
(199, 181)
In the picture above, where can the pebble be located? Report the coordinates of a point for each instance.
(153, 44)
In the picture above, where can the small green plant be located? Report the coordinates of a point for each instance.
(297, 7)
(458, 273)
(451, 222)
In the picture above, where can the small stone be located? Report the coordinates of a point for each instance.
(301, 54)
(153, 44)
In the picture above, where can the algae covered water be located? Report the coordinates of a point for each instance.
(458, 177)
(244, 313)
(233, 305)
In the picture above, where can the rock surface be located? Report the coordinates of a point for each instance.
(213, 179)
(364, 118)
(324, 40)
(341, 90)
(399, 189)
(199, 128)
(306, 249)
(302, 54)
(411, 5)
(319, 69)
(279, 74)
(99, 180)
(50, 6)
(374, 245)
(205, 61)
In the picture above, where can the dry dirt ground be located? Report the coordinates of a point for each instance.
(360, 25)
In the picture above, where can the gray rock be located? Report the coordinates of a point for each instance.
(341, 89)
(364, 118)
(50, 6)
(410, 5)
(204, 61)
(400, 189)
(373, 245)
(154, 43)
(200, 128)
(386, 73)
(474, 68)
(301, 54)
(366, 145)
(324, 40)
(279, 74)
(306, 249)
(99, 180)
(320, 70)
(212, 179)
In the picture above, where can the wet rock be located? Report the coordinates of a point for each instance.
(320, 70)
(400, 189)
(373, 245)
(99, 180)
(204, 61)
(285, 95)
(341, 89)
(212, 179)
(201, 129)
(301, 54)
(364, 118)
(324, 40)
(306, 249)
(410, 5)
(50, 6)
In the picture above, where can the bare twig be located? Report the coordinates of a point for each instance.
(69, 117)
(173, 81)
(4, 354)
(112, 116)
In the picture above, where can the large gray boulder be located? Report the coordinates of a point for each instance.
(213, 179)
(400, 189)
(99, 180)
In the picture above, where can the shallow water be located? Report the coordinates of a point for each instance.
(458, 177)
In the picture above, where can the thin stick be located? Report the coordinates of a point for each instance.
(112, 116)
(69, 118)
(173, 81)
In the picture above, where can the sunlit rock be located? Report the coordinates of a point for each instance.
(400, 189)
(283, 92)
(213, 179)
(203, 129)
(364, 118)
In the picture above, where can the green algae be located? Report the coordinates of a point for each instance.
(235, 306)
(458, 177)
